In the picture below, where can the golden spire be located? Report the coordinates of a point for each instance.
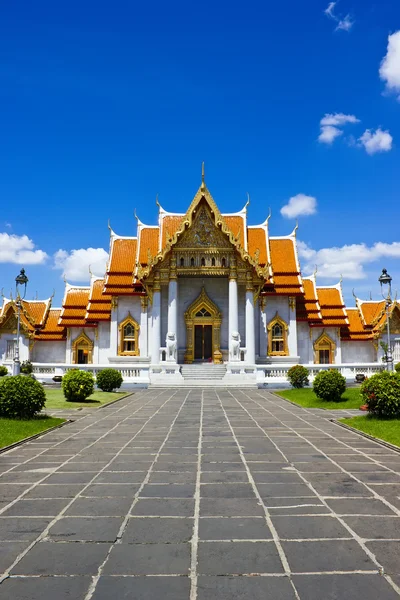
(203, 184)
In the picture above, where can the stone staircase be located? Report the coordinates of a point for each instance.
(203, 374)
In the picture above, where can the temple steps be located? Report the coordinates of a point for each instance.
(203, 372)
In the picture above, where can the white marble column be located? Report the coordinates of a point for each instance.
(292, 334)
(172, 331)
(156, 321)
(114, 327)
(233, 309)
(143, 335)
(263, 327)
(250, 336)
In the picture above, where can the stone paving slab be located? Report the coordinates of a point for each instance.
(200, 494)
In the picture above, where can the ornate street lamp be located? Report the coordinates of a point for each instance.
(21, 281)
(385, 279)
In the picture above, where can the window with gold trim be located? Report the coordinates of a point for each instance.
(277, 337)
(324, 350)
(82, 350)
(128, 337)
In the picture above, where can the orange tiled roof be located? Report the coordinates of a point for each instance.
(236, 225)
(99, 305)
(256, 240)
(371, 311)
(37, 310)
(74, 307)
(308, 308)
(285, 269)
(148, 244)
(332, 307)
(121, 266)
(170, 225)
(51, 330)
(355, 331)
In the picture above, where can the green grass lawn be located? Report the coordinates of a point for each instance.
(305, 397)
(384, 429)
(55, 399)
(14, 430)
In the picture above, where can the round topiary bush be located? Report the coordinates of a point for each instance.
(109, 380)
(298, 376)
(21, 397)
(3, 371)
(26, 367)
(397, 367)
(381, 394)
(329, 385)
(77, 385)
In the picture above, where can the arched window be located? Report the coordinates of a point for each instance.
(82, 350)
(192, 262)
(128, 337)
(213, 262)
(182, 261)
(203, 262)
(324, 350)
(223, 262)
(277, 337)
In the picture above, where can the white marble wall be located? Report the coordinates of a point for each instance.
(354, 352)
(49, 352)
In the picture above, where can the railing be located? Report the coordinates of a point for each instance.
(348, 370)
(130, 373)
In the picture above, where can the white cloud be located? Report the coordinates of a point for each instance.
(329, 11)
(348, 260)
(380, 141)
(75, 264)
(299, 205)
(330, 124)
(343, 23)
(390, 66)
(19, 249)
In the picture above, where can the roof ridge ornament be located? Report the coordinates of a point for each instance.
(248, 201)
(203, 181)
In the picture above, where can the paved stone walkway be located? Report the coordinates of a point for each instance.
(200, 494)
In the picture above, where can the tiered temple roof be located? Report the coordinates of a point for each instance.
(275, 258)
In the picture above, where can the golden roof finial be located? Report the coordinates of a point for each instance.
(203, 181)
(248, 200)
(135, 215)
(354, 296)
(90, 270)
(315, 271)
(341, 279)
(157, 202)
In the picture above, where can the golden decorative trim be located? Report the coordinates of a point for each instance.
(82, 342)
(129, 320)
(249, 282)
(114, 302)
(324, 342)
(215, 320)
(292, 303)
(277, 320)
(144, 302)
(157, 283)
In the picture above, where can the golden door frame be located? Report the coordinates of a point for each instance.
(214, 319)
(82, 342)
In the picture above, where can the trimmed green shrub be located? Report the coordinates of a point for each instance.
(21, 397)
(77, 385)
(329, 385)
(26, 367)
(298, 376)
(381, 394)
(3, 371)
(109, 380)
(397, 367)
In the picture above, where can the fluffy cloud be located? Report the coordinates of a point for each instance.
(348, 260)
(390, 66)
(343, 23)
(380, 141)
(19, 249)
(300, 205)
(75, 264)
(330, 124)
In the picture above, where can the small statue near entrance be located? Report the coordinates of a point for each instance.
(234, 347)
(171, 347)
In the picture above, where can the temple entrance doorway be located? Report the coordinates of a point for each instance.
(203, 324)
(202, 342)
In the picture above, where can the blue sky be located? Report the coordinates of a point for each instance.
(104, 105)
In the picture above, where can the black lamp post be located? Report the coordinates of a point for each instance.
(20, 285)
(385, 279)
